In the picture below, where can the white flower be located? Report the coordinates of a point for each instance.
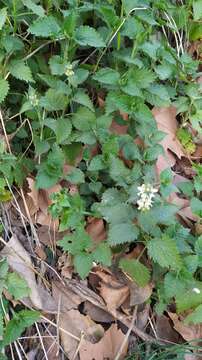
(69, 70)
(33, 99)
(146, 192)
(196, 290)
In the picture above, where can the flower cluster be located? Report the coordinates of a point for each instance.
(33, 99)
(69, 70)
(146, 193)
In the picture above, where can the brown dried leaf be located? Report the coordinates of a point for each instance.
(138, 295)
(166, 122)
(106, 348)
(188, 332)
(20, 261)
(96, 229)
(78, 324)
(164, 329)
(96, 313)
(66, 297)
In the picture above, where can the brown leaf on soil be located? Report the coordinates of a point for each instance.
(188, 332)
(138, 295)
(113, 291)
(20, 261)
(96, 313)
(62, 295)
(106, 348)
(78, 324)
(95, 228)
(164, 329)
(166, 122)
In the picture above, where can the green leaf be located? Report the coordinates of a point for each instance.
(107, 76)
(19, 322)
(196, 206)
(122, 233)
(188, 298)
(12, 43)
(164, 252)
(102, 254)
(17, 286)
(197, 9)
(20, 70)
(86, 35)
(136, 270)
(118, 101)
(4, 88)
(63, 129)
(195, 317)
(77, 242)
(83, 263)
(164, 71)
(3, 16)
(76, 177)
(83, 99)
(57, 65)
(84, 119)
(195, 32)
(45, 27)
(97, 163)
(54, 100)
(37, 9)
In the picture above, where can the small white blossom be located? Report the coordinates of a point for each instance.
(33, 99)
(146, 192)
(69, 70)
(196, 290)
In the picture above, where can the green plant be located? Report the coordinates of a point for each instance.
(74, 72)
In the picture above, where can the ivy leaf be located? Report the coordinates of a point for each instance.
(45, 27)
(107, 76)
(63, 130)
(83, 99)
(164, 252)
(102, 254)
(3, 15)
(136, 270)
(86, 35)
(17, 286)
(122, 233)
(20, 71)
(18, 324)
(83, 263)
(4, 88)
(37, 9)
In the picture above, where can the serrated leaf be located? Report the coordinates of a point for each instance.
(83, 263)
(19, 322)
(17, 286)
(102, 254)
(197, 9)
(195, 317)
(20, 71)
(122, 233)
(164, 252)
(189, 299)
(37, 9)
(45, 27)
(86, 35)
(3, 15)
(4, 88)
(136, 270)
(57, 65)
(83, 99)
(63, 129)
(117, 101)
(76, 177)
(107, 76)
(84, 119)
(196, 206)
(77, 242)
(12, 43)
(97, 163)
(54, 100)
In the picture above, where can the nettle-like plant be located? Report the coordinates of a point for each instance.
(72, 73)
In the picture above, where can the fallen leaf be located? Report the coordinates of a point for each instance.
(164, 330)
(142, 317)
(188, 332)
(166, 122)
(106, 348)
(20, 261)
(138, 295)
(80, 326)
(113, 291)
(96, 313)
(65, 297)
(95, 228)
